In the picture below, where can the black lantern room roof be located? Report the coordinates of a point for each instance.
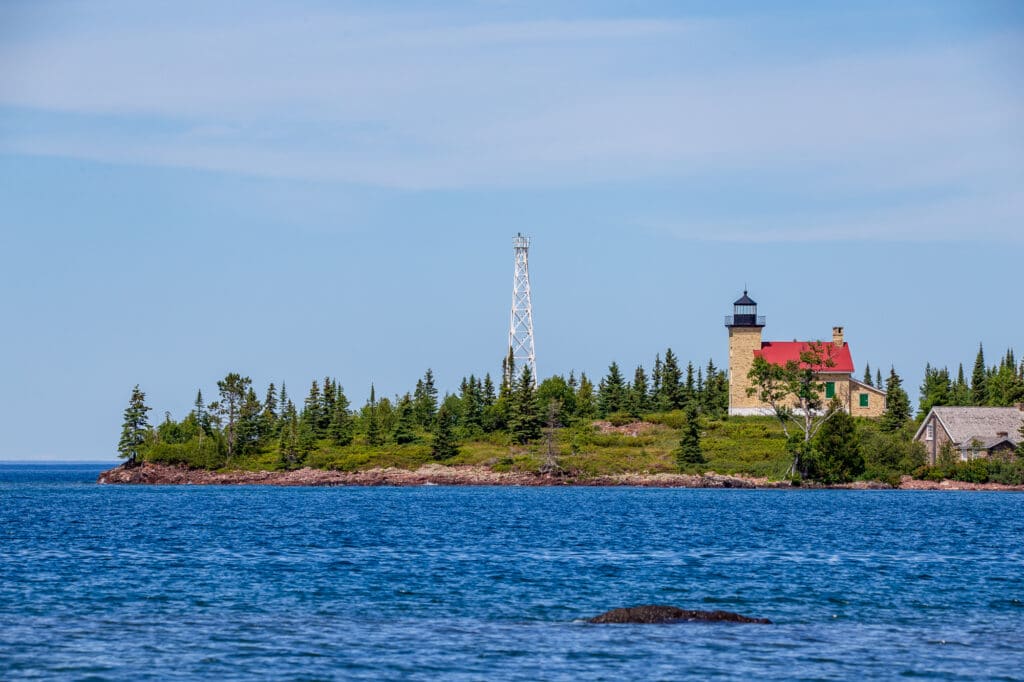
(745, 300)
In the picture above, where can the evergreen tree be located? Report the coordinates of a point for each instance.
(897, 404)
(656, 382)
(444, 445)
(878, 378)
(716, 391)
(311, 410)
(979, 391)
(586, 407)
(489, 396)
(289, 452)
(611, 394)
(961, 394)
(135, 427)
(233, 389)
(671, 396)
(637, 400)
(936, 389)
(836, 454)
(327, 396)
(690, 452)
(524, 420)
(342, 427)
(405, 426)
(269, 425)
(374, 436)
(689, 393)
(202, 416)
(249, 423)
(867, 374)
(425, 400)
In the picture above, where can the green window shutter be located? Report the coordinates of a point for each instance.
(863, 399)
(830, 389)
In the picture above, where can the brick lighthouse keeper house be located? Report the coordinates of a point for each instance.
(745, 344)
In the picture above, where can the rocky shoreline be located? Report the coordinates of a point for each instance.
(437, 474)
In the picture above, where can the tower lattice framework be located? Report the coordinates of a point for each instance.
(520, 333)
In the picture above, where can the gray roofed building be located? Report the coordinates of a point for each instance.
(974, 431)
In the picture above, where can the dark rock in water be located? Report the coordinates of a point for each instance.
(655, 613)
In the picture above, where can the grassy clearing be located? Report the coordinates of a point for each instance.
(737, 445)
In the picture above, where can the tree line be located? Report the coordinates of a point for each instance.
(238, 423)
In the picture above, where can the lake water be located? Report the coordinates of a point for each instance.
(113, 582)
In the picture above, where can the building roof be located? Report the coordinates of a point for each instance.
(745, 300)
(867, 387)
(965, 424)
(781, 352)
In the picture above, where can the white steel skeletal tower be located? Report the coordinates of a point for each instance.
(520, 331)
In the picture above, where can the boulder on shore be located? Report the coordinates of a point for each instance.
(656, 613)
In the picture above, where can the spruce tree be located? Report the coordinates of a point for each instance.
(342, 427)
(374, 437)
(689, 451)
(444, 444)
(288, 449)
(637, 401)
(979, 391)
(878, 378)
(611, 394)
(327, 396)
(135, 427)
(671, 397)
(867, 374)
(311, 410)
(425, 400)
(689, 393)
(897, 404)
(405, 426)
(249, 423)
(961, 394)
(524, 420)
(586, 407)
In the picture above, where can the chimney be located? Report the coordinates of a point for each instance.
(1002, 434)
(837, 337)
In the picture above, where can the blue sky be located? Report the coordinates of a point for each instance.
(296, 189)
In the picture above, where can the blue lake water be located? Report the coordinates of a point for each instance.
(117, 582)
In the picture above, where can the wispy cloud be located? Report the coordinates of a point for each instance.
(439, 101)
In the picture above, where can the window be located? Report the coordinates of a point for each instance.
(830, 389)
(929, 432)
(863, 399)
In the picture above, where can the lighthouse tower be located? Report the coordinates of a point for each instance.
(744, 327)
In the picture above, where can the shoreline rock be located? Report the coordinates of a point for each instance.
(149, 473)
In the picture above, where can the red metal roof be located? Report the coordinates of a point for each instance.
(781, 352)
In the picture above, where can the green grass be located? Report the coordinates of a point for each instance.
(737, 445)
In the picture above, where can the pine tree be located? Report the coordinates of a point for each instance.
(444, 444)
(611, 394)
(979, 391)
(716, 391)
(270, 408)
(374, 436)
(489, 396)
(405, 427)
(232, 394)
(878, 378)
(326, 406)
(897, 404)
(342, 427)
(867, 374)
(202, 416)
(656, 382)
(961, 394)
(135, 428)
(690, 452)
(524, 420)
